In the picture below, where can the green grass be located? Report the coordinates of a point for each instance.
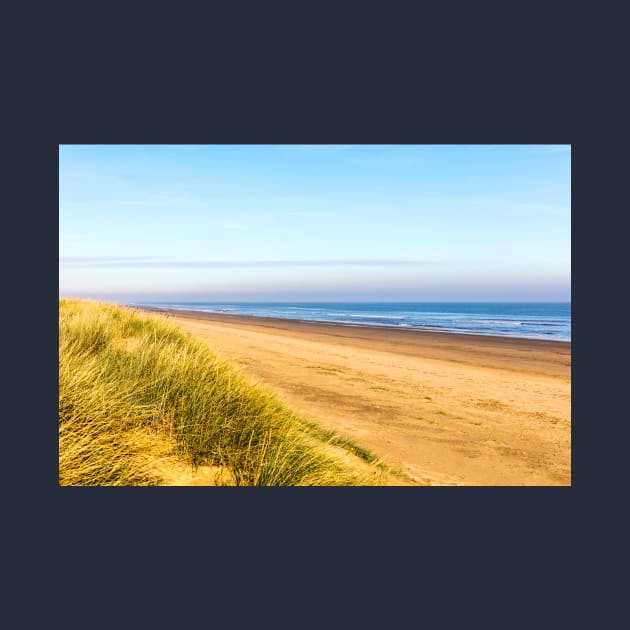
(135, 389)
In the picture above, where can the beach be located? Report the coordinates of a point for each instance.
(445, 409)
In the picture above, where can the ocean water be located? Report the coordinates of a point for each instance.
(532, 320)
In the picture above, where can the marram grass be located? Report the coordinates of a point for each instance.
(135, 391)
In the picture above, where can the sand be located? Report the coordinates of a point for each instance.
(446, 409)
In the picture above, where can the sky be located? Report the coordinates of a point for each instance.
(414, 223)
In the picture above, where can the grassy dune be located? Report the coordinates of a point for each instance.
(140, 401)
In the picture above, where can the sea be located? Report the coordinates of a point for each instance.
(528, 320)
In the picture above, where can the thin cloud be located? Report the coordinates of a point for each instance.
(309, 213)
(559, 149)
(157, 263)
(79, 260)
(532, 148)
(514, 205)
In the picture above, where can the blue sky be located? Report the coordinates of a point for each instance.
(315, 222)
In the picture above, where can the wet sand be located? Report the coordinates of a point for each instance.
(447, 409)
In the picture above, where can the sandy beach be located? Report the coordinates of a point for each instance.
(447, 409)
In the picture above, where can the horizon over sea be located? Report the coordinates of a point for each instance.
(528, 320)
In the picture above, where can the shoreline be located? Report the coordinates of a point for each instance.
(227, 317)
(446, 409)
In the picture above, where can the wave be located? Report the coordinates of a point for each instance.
(362, 316)
(491, 322)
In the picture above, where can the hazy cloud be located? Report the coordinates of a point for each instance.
(145, 262)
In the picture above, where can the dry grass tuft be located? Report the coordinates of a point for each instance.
(142, 402)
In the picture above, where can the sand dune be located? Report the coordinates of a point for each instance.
(446, 409)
